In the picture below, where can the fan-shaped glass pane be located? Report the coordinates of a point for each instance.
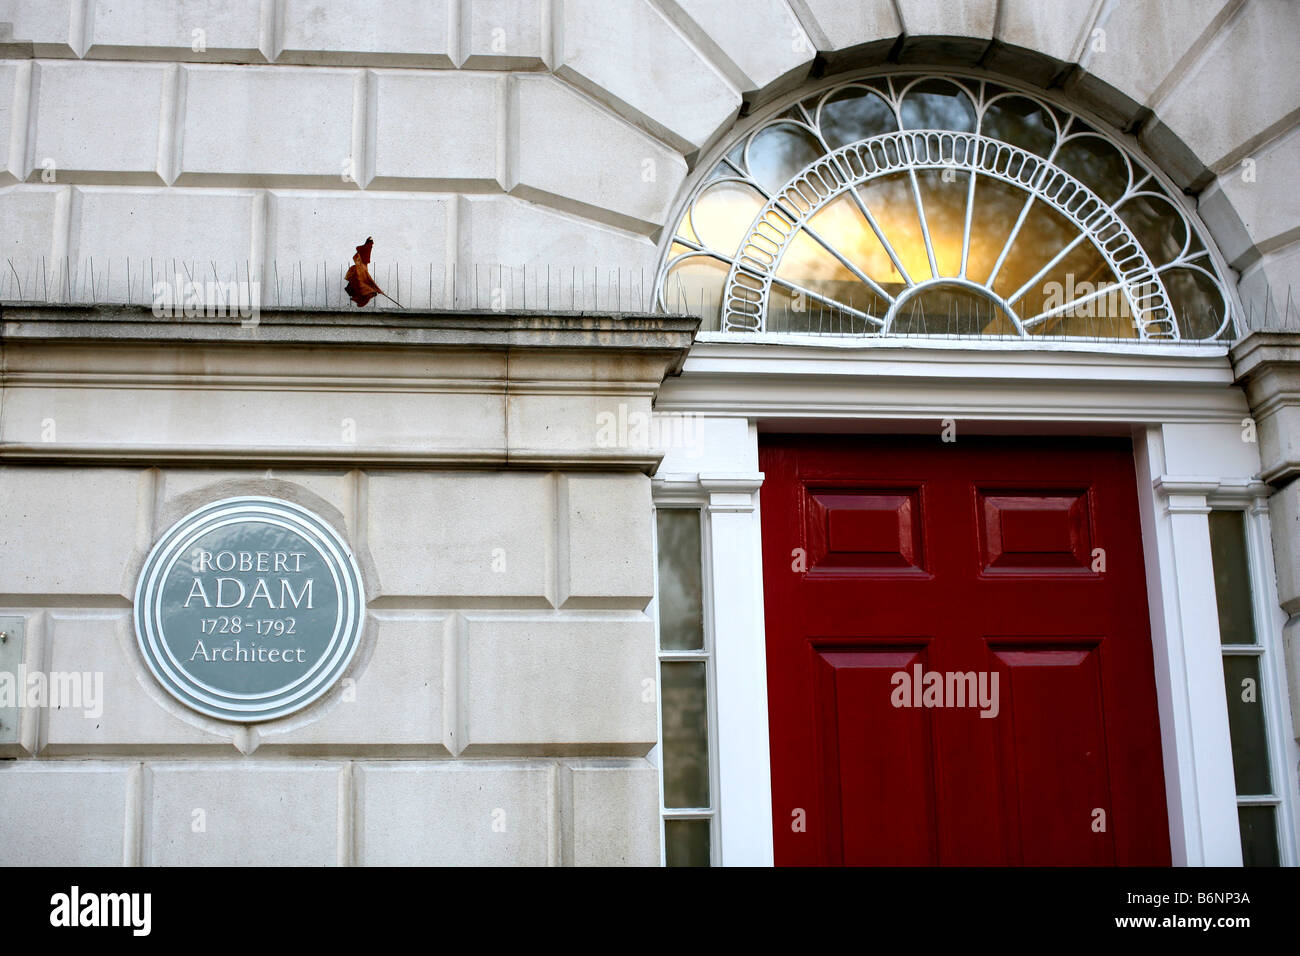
(1022, 122)
(1157, 225)
(723, 212)
(943, 195)
(695, 285)
(778, 152)
(937, 104)
(952, 310)
(1035, 224)
(1196, 300)
(1097, 164)
(892, 203)
(855, 113)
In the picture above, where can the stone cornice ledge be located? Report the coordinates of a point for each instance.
(670, 334)
(1267, 365)
(120, 385)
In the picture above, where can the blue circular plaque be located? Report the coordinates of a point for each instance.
(249, 608)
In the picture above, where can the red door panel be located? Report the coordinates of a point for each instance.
(959, 660)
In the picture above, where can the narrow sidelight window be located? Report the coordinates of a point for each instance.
(685, 677)
(1258, 799)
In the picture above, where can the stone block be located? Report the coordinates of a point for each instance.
(615, 814)
(463, 535)
(68, 541)
(199, 30)
(164, 233)
(400, 33)
(505, 35)
(317, 232)
(1252, 100)
(395, 696)
(572, 682)
(70, 813)
(572, 154)
(760, 46)
(628, 56)
(51, 28)
(606, 554)
(100, 122)
(294, 127)
(243, 814)
(437, 131)
(456, 814)
(121, 705)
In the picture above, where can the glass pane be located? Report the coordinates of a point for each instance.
(1097, 164)
(1231, 577)
(684, 699)
(778, 152)
(695, 286)
(681, 601)
(1157, 225)
(1258, 836)
(938, 104)
(1197, 302)
(1022, 122)
(1246, 724)
(723, 213)
(853, 114)
(686, 842)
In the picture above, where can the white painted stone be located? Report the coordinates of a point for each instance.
(564, 680)
(1259, 191)
(392, 695)
(343, 33)
(973, 18)
(166, 30)
(505, 35)
(15, 80)
(445, 533)
(835, 26)
(606, 554)
(1052, 27)
(1263, 286)
(322, 228)
(575, 155)
(297, 126)
(181, 490)
(462, 423)
(456, 814)
(581, 253)
(243, 814)
(100, 121)
(615, 814)
(758, 44)
(1134, 47)
(27, 232)
(129, 708)
(542, 426)
(1186, 448)
(104, 533)
(716, 446)
(66, 813)
(155, 228)
(48, 28)
(437, 130)
(1252, 97)
(628, 56)
(1284, 522)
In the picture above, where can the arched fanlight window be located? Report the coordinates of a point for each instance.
(925, 205)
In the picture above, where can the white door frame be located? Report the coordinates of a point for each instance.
(1185, 418)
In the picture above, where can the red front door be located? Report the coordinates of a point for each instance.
(958, 652)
